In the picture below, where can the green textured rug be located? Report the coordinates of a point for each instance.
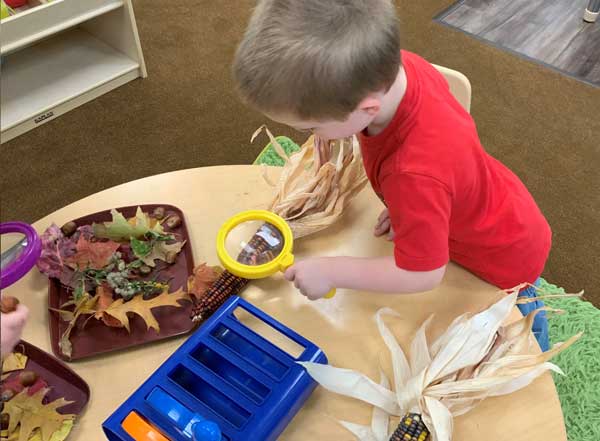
(579, 388)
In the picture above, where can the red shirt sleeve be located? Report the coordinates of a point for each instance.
(419, 208)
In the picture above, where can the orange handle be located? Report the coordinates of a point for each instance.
(140, 430)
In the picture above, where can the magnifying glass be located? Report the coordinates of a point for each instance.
(21, 248)
(256, 244)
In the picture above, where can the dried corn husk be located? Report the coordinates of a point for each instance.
(477, 357)
(317, 183)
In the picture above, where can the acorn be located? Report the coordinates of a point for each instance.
(8, 304)
(145, 270)
(28, 378)
(158, 213)
(69, 228)
(173, 221)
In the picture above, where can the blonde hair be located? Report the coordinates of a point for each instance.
(317, 59)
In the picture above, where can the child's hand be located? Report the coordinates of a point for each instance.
(310, 277)
(384, 226)
(12, 325)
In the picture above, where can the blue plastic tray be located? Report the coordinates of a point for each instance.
(228, 374)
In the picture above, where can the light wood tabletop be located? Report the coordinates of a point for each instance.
(343, 327)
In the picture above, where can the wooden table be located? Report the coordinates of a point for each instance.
(343, 327)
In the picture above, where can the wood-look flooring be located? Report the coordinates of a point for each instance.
(550, 31)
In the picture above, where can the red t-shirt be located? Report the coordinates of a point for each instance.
(447, 198)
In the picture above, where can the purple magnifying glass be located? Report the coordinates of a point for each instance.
(23, 251)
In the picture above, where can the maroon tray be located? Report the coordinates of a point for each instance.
(62, 381)
(97, 338)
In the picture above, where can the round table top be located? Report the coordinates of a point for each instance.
(343, 327)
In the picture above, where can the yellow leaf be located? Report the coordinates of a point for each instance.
(15, 361)
(30, 414)
(84, 306)
(60, 435)
(119, 309)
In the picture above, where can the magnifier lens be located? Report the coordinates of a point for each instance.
(12, 246)
(254, 243)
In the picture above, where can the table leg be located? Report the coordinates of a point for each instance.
(591, 13)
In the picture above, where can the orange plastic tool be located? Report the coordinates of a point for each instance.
(140, 430)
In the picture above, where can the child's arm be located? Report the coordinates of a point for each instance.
(316, 277)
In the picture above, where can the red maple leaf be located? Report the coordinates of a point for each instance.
(95, 255)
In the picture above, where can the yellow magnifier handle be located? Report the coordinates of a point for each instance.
(289, 261)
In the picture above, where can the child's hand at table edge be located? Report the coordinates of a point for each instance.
(316, 277)
(12, 325)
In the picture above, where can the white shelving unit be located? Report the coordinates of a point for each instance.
(59, 55)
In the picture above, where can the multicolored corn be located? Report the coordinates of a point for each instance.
(224, 287)
(256, 252)
(411, 428)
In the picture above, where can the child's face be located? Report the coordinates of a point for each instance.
(355, 123)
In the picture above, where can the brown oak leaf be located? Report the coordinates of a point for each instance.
(119, 309)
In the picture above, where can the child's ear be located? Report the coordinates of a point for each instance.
(370, 104)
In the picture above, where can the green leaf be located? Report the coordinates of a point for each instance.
(79, 290)
(120, 229)
(140, 248)
(136, 264)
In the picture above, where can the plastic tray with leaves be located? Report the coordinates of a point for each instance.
(92, 337)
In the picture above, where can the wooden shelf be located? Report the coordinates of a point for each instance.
(47, 19)
(60, 54)
(50, 74)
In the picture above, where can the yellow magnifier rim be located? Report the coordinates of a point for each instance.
(284, 260)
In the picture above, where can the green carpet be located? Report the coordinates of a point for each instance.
(579, 388)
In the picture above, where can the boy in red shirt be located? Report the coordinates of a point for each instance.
(335, 68)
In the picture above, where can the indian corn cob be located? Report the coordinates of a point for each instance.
(224, 287)
(257, 251)
(411, 428)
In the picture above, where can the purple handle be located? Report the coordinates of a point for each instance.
(27, 259)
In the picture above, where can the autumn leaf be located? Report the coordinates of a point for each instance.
(55, 248)
(141, 248)
(30, 413)
(105, 299)
(202, 278)
(122, 229)
(84, 306)
(15, 361)
(95, 255)
(160, 251)
(119, 309)
(60, 435)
